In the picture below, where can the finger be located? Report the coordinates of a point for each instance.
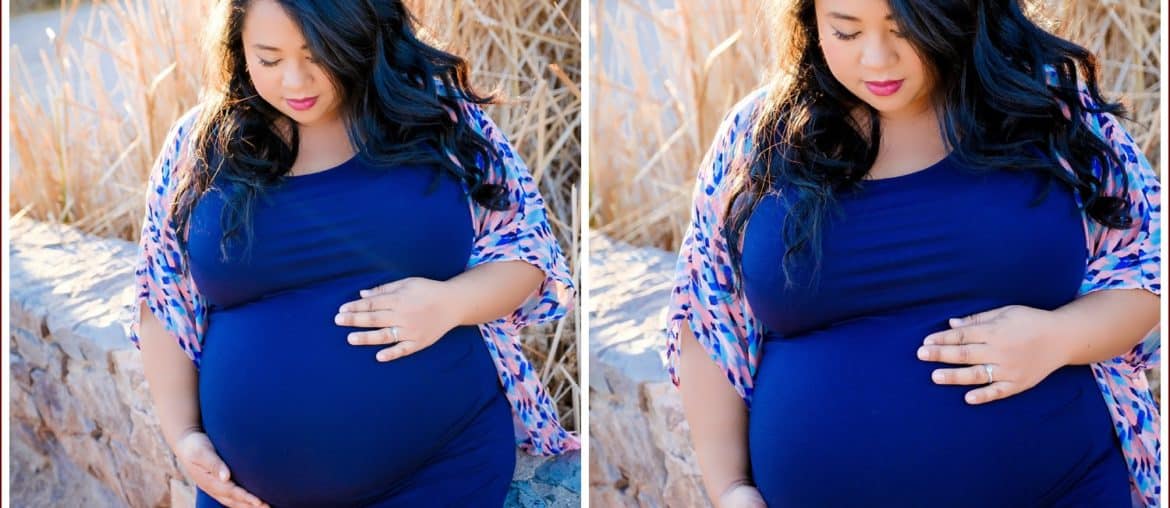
(963, 354)
(245, 496)
(990, 393)
(371, 319)
(373, 337)
(399, 350)
(370, 303)
(955, 336)
(206, 458)
(382, 289)
(978, 317)
(224, 490)
(976, 375)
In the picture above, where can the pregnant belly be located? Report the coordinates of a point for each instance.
(849, 415)
(303, 418)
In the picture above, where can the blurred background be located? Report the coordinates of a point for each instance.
(663, 75)
(97, 84)
(665, 72)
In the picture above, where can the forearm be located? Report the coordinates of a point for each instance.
(1104, 324)
(172, 379)
(718, 419)
(492, 290)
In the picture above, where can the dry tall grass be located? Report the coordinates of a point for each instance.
(664, 77)
(84, 154)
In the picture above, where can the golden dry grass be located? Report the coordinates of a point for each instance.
(84, 154)
(655, 110)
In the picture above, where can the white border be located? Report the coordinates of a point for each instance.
(1165, 311)
(5, 304)
(583, 255)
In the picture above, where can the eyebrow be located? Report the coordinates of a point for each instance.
(846, 17)
(270, 48)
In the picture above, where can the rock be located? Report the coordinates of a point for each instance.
(640, 452)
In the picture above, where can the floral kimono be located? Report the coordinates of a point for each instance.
(704, 292)
(521, 232)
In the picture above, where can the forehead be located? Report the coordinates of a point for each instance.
(266, 23)
(855, 10)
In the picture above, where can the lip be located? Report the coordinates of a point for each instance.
(884, 88)
(301, 104)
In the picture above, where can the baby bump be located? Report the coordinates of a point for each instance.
(852, 406)
(299, 414)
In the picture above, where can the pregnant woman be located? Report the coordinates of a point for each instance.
(338, 251)
(926, 259)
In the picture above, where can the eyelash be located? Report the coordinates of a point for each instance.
(273, 63)
(848, 37)
(845, 37)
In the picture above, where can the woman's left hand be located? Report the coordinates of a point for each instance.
(409, 314)
(1015, 346)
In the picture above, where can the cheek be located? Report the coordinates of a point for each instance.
(266, 82)
(839, 60)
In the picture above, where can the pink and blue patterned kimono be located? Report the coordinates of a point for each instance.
(521, 232)
(706, 298)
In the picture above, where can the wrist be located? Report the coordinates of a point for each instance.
(1059, 336)
(451, 304)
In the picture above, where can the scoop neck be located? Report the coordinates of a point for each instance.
(350, 162)
(913, 175)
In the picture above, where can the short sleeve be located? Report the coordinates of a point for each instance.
(520, 233)
(160, 278)
(1127, 258)
(704, 294)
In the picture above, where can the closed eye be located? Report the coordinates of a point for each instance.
(844, 36)
(266, 63)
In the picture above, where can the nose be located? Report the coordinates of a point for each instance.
(296, 76)
(878, 53)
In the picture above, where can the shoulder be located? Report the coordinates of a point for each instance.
(732, 145)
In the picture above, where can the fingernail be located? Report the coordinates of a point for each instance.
(382, 357)
(223, 474)
(928, 341)
(936, 376)
(337, 319)
(956, 321)
(970, 398)
(364, 293)
(351, 339)
(922, 352)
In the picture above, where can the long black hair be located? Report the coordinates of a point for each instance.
(400, 99)
(1001, 82)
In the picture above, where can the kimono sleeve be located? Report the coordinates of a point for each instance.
(520, 233)
(159, 273)
(1127, 258)
(704, 294)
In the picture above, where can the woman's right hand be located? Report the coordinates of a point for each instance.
(742, 496)
(198, 458)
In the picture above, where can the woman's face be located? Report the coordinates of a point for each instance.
(865, 52)
(283, 70)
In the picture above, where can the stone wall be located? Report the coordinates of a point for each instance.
(639, 443)
(82, 429)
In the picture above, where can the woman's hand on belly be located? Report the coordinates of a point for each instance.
(409, 314)
(198, 458)
(1010, 349)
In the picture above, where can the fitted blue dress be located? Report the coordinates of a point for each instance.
(845, 414)
(301, 417)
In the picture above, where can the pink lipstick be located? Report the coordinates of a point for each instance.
(884, 88)
(301, 104)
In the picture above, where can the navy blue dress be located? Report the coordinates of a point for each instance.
(845, 414)
(301, 417)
